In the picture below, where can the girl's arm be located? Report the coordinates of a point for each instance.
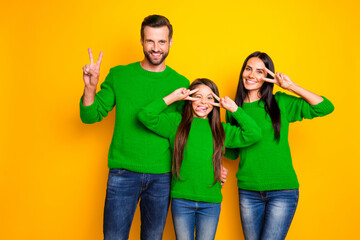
(246, 134)
(159, 121)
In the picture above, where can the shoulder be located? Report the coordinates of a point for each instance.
(122, 68)
(178, 76)
(282, 97)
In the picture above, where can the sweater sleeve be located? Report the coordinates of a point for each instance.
(156, 119)
(104, 103)
(297, 108)
(231, 153)
(245, 134)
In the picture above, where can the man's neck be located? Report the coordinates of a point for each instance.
(152, 68)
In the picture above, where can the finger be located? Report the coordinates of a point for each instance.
(92, 72)
(87, 67)
(193, 91)
(270, 72)
(215, 104)
(84, 70)
(100, 58)
(191, 99)
(268, 80)
(91, 56)
(215, 96)
(222, 183)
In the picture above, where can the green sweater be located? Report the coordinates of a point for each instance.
(267, 165)
(130, 87)
(197, 172)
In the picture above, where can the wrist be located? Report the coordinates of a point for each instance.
(293, 88)
(168, 100)
(89, 90)
(234, 109)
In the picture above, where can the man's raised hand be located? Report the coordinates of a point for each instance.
(91, 72)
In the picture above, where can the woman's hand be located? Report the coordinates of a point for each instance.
(280, 79)
(226, 103)
(285, 82)
(180, 94)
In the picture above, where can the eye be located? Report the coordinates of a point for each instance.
(260, 72)
(210, 98)
(162, 42)
(248, 69)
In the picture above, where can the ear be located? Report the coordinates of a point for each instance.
(170, 42)
(142, 41)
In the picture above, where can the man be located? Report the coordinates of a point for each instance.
(139, 161)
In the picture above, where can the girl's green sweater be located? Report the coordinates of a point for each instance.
(267, 165)
(197, 171)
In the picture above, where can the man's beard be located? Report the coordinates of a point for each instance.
(155, 62)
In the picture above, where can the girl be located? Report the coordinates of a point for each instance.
(268, 186)
(198, 138)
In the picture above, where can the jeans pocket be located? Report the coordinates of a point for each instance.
(290, 190)
(116, 171)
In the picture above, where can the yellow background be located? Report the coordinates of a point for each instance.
(53, 168)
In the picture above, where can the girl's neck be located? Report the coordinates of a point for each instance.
(252, 96)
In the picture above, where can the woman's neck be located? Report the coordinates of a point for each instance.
(252, 96)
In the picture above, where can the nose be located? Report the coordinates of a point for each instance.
(251, 74)
(156, 47)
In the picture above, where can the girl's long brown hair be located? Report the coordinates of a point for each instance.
(184, 129)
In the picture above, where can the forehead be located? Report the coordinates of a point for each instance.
(156, 32)
(255, 63)
(203, 90)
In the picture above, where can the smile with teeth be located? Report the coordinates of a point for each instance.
(248, 81)
(155, 55)
(201, 109)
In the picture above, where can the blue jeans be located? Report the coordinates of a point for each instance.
(189, 216)
(124, 189)
(267, 215)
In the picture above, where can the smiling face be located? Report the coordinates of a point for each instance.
(156, 44)
(202, 107)
(253, 72)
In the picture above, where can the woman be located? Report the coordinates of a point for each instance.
(268, 186)
(197, 138)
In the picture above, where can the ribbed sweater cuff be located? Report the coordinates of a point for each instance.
(87, 109)
(325, 106)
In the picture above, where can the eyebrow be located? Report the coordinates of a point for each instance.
(257, 68)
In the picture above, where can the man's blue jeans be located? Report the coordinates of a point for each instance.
(267, 215)
(189, 216)
(124, 189)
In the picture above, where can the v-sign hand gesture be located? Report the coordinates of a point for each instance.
(91, 72)
(226, 103)
(180, 94)
(280, 79)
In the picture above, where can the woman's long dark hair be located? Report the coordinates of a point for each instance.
(266, 92)
(184, 129)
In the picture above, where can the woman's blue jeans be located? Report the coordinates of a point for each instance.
(267, 215)
(194, 218)
(124, 189)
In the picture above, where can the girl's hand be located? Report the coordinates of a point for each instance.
(226, 103)
(280, 79)
(180, 94)
(223, 175)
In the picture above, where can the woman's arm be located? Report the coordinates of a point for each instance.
(286, 83)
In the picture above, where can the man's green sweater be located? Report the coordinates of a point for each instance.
(196, 181)
(130, 87)
(267, 165)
